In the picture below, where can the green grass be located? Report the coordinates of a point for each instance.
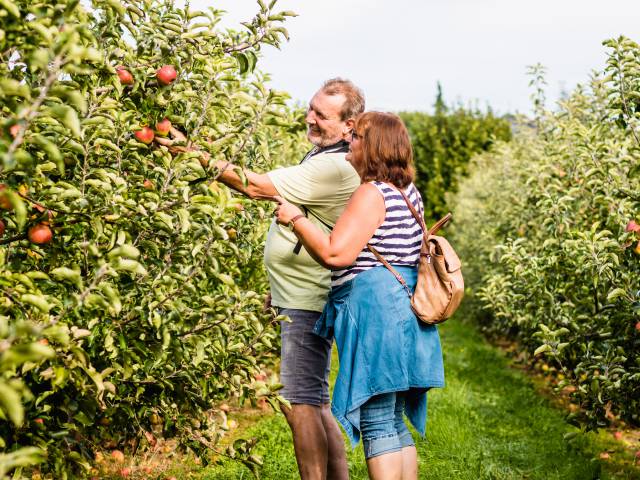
(487, 423)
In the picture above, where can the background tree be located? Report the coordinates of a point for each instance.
(443, 144)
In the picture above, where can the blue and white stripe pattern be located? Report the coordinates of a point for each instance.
(397, 239)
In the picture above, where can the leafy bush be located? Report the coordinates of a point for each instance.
(546, 226)
(132, 286)
(443, 144)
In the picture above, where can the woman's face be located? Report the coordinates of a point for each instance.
(354, 157)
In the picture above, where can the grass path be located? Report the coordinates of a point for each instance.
(487, 423)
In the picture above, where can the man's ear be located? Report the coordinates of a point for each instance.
(348, 128)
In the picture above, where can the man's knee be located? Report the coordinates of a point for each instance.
(300, 412)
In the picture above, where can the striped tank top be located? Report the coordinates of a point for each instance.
(397, 239)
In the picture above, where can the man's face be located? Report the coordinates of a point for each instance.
(324, 126)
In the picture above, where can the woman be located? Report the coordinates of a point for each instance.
(388, 360)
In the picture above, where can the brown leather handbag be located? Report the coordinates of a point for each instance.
(440, 286)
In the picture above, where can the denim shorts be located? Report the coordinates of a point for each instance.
(305, 359)
(382, 425)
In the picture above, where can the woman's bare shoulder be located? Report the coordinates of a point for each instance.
(367, 199)
(368, 191)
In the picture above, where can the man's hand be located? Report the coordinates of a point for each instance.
(179, 143)
(285, 210)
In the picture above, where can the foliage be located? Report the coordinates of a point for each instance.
(545, 226)
(443, 144)
(146, 307)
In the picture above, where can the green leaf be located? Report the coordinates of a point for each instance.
(243, 62)
(71, 275)
(25, 352)
(10, 7)
(23, 457)
(11, 404)
(37, 301)
(542, 349)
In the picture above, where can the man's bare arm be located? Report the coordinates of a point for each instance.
(258, 185)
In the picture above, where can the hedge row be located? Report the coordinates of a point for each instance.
(443, 144)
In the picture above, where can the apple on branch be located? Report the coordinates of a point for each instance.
(40, 234)
(125, 76)
(163, 127)
(166, 74)
(144, 135)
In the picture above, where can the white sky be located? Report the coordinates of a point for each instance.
(397, 50)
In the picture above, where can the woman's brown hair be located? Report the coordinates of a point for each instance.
(387, 155)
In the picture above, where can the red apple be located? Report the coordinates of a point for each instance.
(118, 456)
(39, 420)
(13, 130)
(163, 127)
(125, 76)
(148, 184)
(2, 228)
(632, 226)
(43, 341)
(638, 326)
(40, 234)
(617, 435)
(145, 135)
(166, 74)
(125, 472)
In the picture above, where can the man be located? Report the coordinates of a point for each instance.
(322, 183)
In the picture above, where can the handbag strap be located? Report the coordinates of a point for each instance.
(391, 269)
(437, 226)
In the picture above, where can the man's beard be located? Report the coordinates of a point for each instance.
(321, 138)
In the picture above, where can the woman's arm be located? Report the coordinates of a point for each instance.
(364, 213)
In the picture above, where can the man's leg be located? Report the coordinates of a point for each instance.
(337, 467)
(304, 372)
(309, 440)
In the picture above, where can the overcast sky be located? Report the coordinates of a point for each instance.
(397, 50)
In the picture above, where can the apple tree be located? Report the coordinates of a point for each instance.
(548, 225)
(132, 285)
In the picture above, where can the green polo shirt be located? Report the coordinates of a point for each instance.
(323, 183)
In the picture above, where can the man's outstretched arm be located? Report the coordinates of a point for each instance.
(258, 185)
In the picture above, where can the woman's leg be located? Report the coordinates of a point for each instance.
(409, 452)
(382, 447)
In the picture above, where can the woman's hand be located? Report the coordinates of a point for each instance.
(285, 211)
